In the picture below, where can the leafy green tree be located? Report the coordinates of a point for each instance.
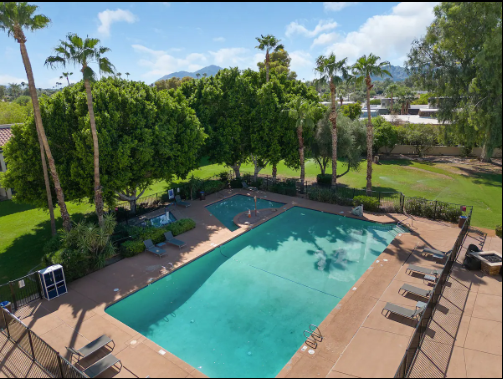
(82, 53)
(386, 135)
(13, 113)
(23, 100)
(392, 90)
(353, 111)
(421, 136)
(269, 43)
(362, 70)
(334, 73)
(171, 83)
(14, 90)
(279, 63)
(146, 136)
(14, 17)
(460, 60)
(3, 91)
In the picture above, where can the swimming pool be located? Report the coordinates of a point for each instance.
(241, 309)
(227, 209)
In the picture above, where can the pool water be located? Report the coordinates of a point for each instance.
(241, 309)
(227, 209)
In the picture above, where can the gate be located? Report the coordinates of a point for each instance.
(22, 291)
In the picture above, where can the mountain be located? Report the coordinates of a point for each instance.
(399, 74)
(209, 71)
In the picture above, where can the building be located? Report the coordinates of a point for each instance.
(5, 135)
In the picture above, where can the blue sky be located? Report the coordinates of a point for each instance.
(150, 40)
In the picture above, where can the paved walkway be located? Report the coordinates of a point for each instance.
(16, 364)
(354, 332)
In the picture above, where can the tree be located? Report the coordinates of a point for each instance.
(353, 111)
(334, 73)
(14, 17)
(386, 135)
(14, 88)
(66, 75)
(127, 75)
(82, 53)
(460, 59)
(362, 70)
(119, 75)
(268, 43)
(198, 75)
(391, 90)
(3, 91)
(279, 63)
(150, 136)
(350, 144)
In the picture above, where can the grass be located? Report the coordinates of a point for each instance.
(25, 229)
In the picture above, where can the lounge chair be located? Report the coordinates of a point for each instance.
(414, 290)
(91, 347)
(102, 365)
(437, 254)
(247, 187)
(173, 241)
(412, 314)
(149, 246)
(180, 202)
(424, 271)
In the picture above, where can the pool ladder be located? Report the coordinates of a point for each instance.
(313, 336)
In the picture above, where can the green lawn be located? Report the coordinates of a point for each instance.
(24, 229)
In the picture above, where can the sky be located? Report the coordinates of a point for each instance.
(150, 40)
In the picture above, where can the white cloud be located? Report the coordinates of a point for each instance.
(160, 63)
(6, 79)
(108, 17)
(300, 59)
(388, 36)
(234, 56)
(337, 6)
(295, 28)
(166, 4)
(325, 39)
(219, 39)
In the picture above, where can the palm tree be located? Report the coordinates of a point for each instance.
(14, 88)
(392, 89)
(66, 75)
(14, 17)
(301, 113)
(127, 75)
(268, 43)
(82, 53)
(119, 74)
(362, 70)
(334, 73)
(198, 75)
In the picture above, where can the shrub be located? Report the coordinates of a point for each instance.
(375, 102)
(54, 244)
(325, 195)
(165, 198)
(131, 248)
(369, 203)
(324, 179)
(212, 186)
(284, 188)
(498, 231)
(75, 263)
(224, 176)
(353, 111)
(181, 226)
(433, 209)
(236, 183)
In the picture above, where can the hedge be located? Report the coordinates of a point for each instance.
(370, 204)
(327, 195)
(324, 179)
(284, 188)
(435, 210)
(135, 246)
(498, 231)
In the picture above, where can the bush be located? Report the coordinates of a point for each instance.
(224, 176)
(181, 226)
(433, 210)
(165, 198)
(375, 102)
(284, 188)
(324, 179)
(212, 186)
(353, 111)
(369, 203)
(498, 231)
(131, 248)
(236, 183)
(75, 263)
(54, 244)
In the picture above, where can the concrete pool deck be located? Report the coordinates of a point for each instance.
(358, 339)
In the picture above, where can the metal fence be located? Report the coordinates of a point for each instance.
(22, 291)
(424, 322)
(48, 359)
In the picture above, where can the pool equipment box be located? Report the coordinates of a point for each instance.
(53, 282)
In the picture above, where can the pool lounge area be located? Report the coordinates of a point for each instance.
(353, 329)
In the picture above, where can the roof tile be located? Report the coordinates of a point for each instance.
(5, 135)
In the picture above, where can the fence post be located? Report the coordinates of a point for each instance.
(13, 293)
(435, 213)
(60, 365)
(31, 345)
(5, 321)
(354, 192)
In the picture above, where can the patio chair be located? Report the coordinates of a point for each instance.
(173, 241)
(423, 270)
(407, 288)
(91, 347)
(247, 187)
(102, 365)
(437, 254)
(149, 246)
(404, 312)
(180, 202)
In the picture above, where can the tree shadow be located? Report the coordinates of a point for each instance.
(9, 207)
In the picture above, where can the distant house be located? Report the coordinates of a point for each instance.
(5, 135)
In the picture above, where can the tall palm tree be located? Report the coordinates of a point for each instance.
(119, 74)
(269, 43)
(127, 75)
(82, 53)
(334, 73)
(301, 113)
(14, 17)
(14, 88)
(66, 75)
(198, 75)
(362, 70)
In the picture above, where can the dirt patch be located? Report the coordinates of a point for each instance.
(441, 176)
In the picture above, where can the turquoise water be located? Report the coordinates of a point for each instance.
(227, 209)
(240, 310)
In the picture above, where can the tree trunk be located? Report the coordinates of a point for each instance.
(333, 120)
(68, 79)
(274, 172)
(487, 149)
(236, 167)
(47, 185)
(131, 198)
(370, 140)
(67, 222)
(257, 168)
(301, 156)
(98, 198)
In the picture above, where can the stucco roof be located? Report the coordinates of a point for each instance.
(5, 134)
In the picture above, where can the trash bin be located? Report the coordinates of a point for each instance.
(202, 195)
(462, 220)
(7, 305)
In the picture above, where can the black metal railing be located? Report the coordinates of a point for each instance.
(423, 325)
(22, 291)
(39, 352)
